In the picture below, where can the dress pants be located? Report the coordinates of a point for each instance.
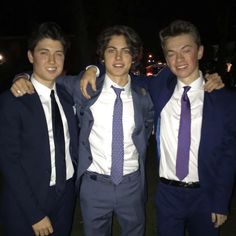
(179, 209)
(59, 209)
(100, 199)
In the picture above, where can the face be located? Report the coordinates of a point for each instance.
(118, 59)
(182, 55)
(48, 60)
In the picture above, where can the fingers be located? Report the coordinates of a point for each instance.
(83, 88)
(93, 85)
(21, 87)
(43, 227)
(214, 81)
(88, 77)
(218, 219)
(15, 91)
(212, 85)
(43, 232)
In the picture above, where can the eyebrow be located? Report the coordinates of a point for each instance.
(46, 49)
(117, 48)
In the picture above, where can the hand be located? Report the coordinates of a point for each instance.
(22, 86)
(43, 227)
(89, 77)
(214, 81)
(218, 219)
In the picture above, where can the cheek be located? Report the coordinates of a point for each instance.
(193, 59)
(60, 60)
(108, 61)
(170, 61)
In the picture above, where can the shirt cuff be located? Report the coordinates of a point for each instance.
(97, 72)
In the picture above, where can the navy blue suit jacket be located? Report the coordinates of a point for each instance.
(143, 115)
(217, 150)
(25, 153)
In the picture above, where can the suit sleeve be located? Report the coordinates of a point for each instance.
(10, 161)
(149, 121)
(226, 164)
(68, 82)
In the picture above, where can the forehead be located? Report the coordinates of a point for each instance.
(48, 43)
(179, 41)
(117, 41)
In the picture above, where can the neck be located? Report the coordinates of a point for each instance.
(120, 80)
(188, 80)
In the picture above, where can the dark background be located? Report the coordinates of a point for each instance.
(82, 20)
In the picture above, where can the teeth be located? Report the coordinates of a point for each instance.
(118, 65)
(181, 67)
(51, 68)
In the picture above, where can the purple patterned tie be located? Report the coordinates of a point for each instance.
(117, 140)
(184, 137)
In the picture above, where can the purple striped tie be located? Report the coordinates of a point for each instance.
(184, 137)
(117, 140)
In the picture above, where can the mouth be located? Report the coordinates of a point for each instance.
(118, 65)
(51, 69)
(181, 67)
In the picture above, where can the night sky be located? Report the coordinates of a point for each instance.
(84, 19)
(18, 17)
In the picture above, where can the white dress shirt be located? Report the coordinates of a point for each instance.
(100, 138)
(44, 95)
(169, 128)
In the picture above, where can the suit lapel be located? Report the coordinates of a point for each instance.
(207, 118)
(137, 109)
(68, 111)
(165, 94)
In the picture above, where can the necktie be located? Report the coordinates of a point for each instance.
(58, 135)
(184, 137)
(117, 140)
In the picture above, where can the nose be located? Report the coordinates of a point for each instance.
(179, 56)
(118, 55)
(51, 59)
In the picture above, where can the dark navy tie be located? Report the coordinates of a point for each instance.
(59, 141)
(184, 137)
(117, 140)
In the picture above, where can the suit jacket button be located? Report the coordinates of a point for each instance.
(90, 158)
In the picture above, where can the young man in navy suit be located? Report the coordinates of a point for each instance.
(197, 200)
(38, 195)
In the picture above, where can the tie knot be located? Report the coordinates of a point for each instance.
(186, 89)
(52, 95)
(117, 90)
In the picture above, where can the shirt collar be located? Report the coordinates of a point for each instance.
(41, 89)
(108, 83)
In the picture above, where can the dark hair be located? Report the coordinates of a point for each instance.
(179, 27)
(133, 41)
(49, 30)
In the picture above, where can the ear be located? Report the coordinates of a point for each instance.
(200, 52)
(30, 57)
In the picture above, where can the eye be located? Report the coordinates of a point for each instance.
(127, 51)
(43, 52)
(170, 54)
(60, 54)
(187, 50)
(111, 50)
